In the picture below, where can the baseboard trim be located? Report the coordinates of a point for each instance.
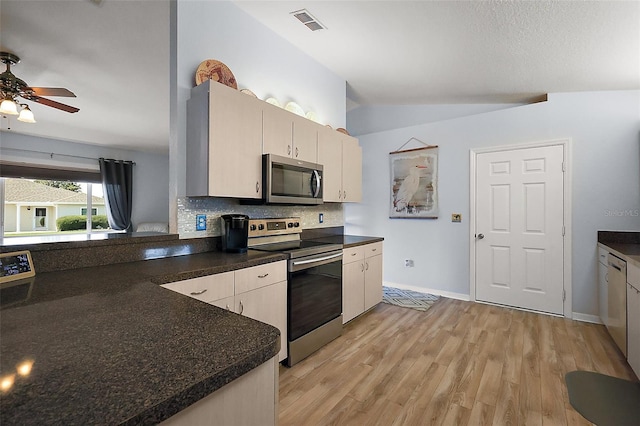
(448, 294)
(594, 319)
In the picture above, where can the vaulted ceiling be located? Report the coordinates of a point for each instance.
(114, 55)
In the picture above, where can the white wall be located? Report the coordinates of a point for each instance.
(605, 130)
(151, 180)
(260, 60)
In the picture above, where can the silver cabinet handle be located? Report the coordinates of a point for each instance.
(362, 267)
(241, 307)
(480, 236)
(263, 276)
(606, 277)
(374, 249)
(228, 308)
(197, 293)
(344, 195)
(353, 254)
(340, 194)
(296, 152)
(367, 267)
(257, 187)
(288, 149)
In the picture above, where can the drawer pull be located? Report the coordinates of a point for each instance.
(374, 249)
(197, 293)
(353, 254)
(241, 307)
(263, 276)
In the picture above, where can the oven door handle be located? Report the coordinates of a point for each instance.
(318, 259)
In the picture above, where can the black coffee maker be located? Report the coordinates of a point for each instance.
(235, 231)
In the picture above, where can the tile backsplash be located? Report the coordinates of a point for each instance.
(213, 208)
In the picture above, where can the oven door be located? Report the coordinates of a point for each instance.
(315, 292)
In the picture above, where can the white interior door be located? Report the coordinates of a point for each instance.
(519, 228)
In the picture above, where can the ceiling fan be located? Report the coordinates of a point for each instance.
(11, 87)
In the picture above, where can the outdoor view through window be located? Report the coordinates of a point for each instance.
(51, 207)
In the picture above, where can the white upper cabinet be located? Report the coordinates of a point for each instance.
(224, 143)
(228, 131)
(341, 157)
(288, 135)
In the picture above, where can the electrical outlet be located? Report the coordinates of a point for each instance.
(321, 217)
(408, 263)
(456, 217)
(201, 222)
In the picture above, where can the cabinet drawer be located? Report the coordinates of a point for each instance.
(352, 254)
(633, 275)
(207, 289)
(603, 254)
(259, 276)
(373, 249)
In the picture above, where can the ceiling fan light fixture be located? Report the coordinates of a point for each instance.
(26, 115)
(8, 106)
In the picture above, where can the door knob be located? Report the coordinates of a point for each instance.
(480, 236)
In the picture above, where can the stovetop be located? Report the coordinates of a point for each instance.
(282, 235)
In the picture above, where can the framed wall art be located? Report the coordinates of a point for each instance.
(414, 183)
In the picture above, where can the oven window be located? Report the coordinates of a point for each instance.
(315, 297)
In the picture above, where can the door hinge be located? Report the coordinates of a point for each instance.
(563, 231)
(564, 295)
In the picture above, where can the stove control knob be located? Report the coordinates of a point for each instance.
(296, 224)
(252, 228)
(290, 225)
(260, 227)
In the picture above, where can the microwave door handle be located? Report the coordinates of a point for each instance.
(316, 177)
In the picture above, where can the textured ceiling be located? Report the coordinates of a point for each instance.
(416, 52)
(115, 55)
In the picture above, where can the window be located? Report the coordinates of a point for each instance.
(46, 207)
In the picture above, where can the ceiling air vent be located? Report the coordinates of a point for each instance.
(308, 19)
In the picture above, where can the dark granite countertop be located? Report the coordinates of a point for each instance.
(349, 240)
(110, 346)
(624, 244)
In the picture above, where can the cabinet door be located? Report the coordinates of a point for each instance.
(603, 290)
(330, 156)
(352, 290)
(351, 170)
(235, 143)
(305, 139)
(269, 305)
(227, 303)
(372, 281)
(633, 328)
(277, 127)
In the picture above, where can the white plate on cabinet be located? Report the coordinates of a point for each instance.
(294, 108)
(273, 101)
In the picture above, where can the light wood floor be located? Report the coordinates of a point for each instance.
(460, 363)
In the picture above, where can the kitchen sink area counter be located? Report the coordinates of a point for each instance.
(108, 345)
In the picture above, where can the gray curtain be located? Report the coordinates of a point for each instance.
(117, 183)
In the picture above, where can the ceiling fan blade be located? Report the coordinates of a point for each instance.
(51, 91)
(54, 104)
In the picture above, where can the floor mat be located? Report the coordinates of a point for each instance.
(408, 298)
(604, 400)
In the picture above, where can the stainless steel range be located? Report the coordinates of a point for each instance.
(314, 288)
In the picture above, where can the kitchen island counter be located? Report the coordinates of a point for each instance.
(108, 345)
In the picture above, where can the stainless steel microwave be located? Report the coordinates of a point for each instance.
(290, 181)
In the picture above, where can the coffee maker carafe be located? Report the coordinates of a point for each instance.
(235, 231)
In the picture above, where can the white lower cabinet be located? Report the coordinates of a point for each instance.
(633, 318)
(251, 399)
(259, 292)
(361, 279)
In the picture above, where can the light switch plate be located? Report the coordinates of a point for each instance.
(456, 217)
(201, 222)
